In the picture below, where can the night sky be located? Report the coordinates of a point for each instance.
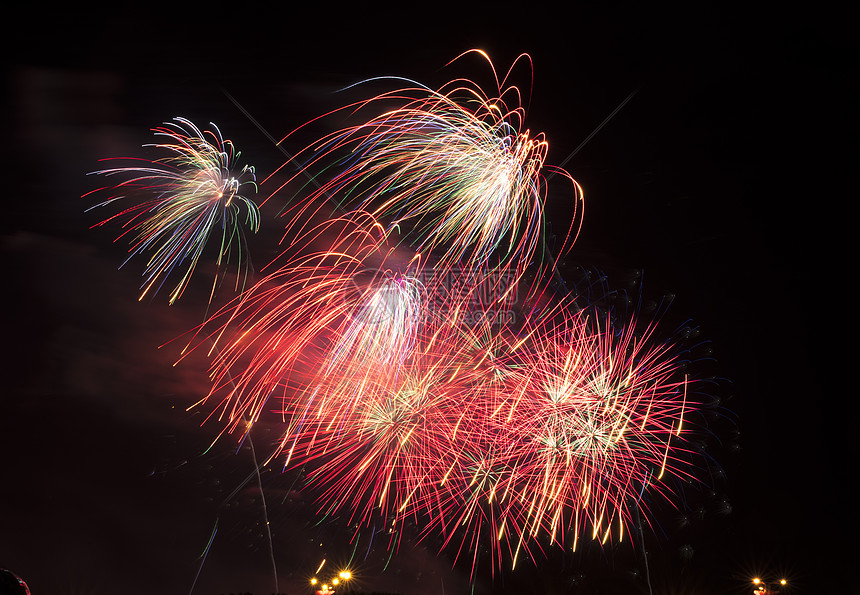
(720, 183)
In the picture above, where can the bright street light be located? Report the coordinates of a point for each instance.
(763, 588)
(342, 577)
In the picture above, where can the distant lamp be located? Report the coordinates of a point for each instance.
(763, 588)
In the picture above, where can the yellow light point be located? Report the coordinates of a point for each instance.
(499, 408)
(445, 477)
(502, 530)
(597, 526)
(366, 462)
(540, 515)
(335, 581)
(609, 371)
(409, 497)
(511, 409)
(197, 403)
(475, 476)
(408, 435)
(517, 553)
(531, 508)
(555, 524)
(313, 581)
(756, 581)
(535, 530)
(492, 492)
(320, 568)
(600, 522)
(505, 494)
(554, 495)
(433, 339)
(456, 315)
(387, 485)
(346, 575)
(519, 344)
(621, 432)
(605, 535)
(507, 293)
(481, 361)
(456, 427)
(782, 582)
(567, 361)
(663, 466)
(290, 454)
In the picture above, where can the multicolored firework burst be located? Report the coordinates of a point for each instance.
(182, 199)
(455, 167)
(399, 405)
(504, 437)
(601, 423)
(567, 433)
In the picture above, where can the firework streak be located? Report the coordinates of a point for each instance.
(180, 201)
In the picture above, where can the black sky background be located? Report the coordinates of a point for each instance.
(723, 181)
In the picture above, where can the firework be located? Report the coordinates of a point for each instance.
(180, 201)
(383, 455)
(396, 405)
(455, 167)
(486, 436)
(392, 451)
(313, 331)
(601, 424)
(382, 329)
(535, 439)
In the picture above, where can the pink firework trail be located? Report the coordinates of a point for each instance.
(600, 423)
(330, 317)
